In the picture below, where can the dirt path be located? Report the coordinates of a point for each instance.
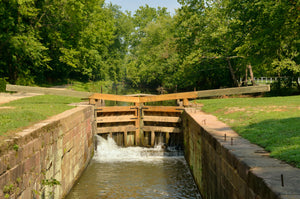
(7, 97)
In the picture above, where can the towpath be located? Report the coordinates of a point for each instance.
(7, 97)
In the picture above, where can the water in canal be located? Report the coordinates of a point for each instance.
(134, 172)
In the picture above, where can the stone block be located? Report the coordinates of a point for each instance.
(28, 148)
(10, 159)
(27, 193)
(1, 193)
(3, 165)
(69, 122)
(55, 134)
(16, 173)
(29, 164)
(271, 177)
(4, 179)
(46, 139)
(67, 137)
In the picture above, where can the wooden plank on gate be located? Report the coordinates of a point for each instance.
(114, 119)
(166, 97)
(161, 119)
(114, 129)
(111, 97)
(163, 108)
(162, 129)
(108, 109)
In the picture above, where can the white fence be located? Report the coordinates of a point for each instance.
(269, 80)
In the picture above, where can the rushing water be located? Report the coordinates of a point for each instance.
(134, 172)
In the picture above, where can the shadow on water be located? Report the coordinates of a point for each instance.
(279, 136)
(134, 172)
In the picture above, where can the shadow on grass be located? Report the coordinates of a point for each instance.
(279, 136)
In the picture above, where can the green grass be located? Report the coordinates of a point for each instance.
(273, 123)
(24, 112)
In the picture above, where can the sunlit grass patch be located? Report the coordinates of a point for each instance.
(26, 111)
(273, 123)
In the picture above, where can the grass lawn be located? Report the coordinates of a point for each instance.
(20, 113)
(273, 123)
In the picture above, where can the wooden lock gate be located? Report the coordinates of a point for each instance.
(141, 125)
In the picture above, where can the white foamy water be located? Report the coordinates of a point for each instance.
(108, 151)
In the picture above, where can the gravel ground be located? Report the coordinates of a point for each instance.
(7, 97)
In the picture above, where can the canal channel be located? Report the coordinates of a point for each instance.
(135, 172)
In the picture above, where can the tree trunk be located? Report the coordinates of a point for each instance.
(246, 77)
(13, 74)
(251, 74)
(235, 82)
(298, 84)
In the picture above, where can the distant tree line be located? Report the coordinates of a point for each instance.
(206, 44)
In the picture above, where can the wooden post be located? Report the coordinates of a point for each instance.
(92, 101)
(138, 124)
(125, 138)
(185, 102)
(167, 138)
(141, 134)
(146, 138)
(152, 138)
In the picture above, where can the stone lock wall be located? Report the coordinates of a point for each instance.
(45, 160)
(232, 167)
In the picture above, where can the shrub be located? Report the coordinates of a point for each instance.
(3, 83)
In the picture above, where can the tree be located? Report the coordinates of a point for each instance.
(78, 34)
(23, 53)
(269, 34)
(150, 51)
(205, 46)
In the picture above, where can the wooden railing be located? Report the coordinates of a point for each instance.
(179, 96)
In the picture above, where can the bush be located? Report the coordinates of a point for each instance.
(3, 83)
(284, 87)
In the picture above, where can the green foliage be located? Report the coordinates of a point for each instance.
(8, 188)
(206, 44)
(16, 147)
(3, 83)
(256, 22)
(54, 40)
(50, 182)
(272, 123)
